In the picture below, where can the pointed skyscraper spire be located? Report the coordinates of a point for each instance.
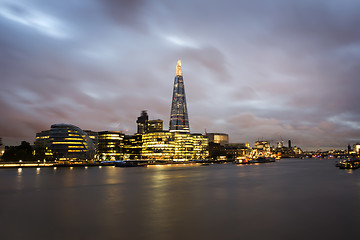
(178, 68)
(179, 121)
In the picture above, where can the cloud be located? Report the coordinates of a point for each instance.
(251, 69)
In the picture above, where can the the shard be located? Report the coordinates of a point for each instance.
(179, 121)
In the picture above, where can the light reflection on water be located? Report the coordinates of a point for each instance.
(290, 199)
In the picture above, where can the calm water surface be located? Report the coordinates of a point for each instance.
(289, 199)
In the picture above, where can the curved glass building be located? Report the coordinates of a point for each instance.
(69, 142)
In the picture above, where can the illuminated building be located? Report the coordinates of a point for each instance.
(176, 146)
(93, 136)
(220, 138)
(179, 121)
(42, 139)
(158, 145)
(69, 142)
(142, 122)
(110, 145)
(234, 150)
(262, 145)
(2, 148)
(200, 146)
(132, 146)
(297, 150)
(356, 148)
(42, 144)
(144, 125)
(155, 125)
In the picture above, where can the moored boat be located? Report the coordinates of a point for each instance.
(132, 163)
(349, 164)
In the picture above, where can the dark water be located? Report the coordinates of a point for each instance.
(290, 199)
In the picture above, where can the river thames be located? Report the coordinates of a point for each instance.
(288, 199)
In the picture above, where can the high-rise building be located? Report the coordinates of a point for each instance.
(179, 121)
(177, 144)
(144, 125)
(142, 122)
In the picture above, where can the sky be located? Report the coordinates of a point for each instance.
(257, 70)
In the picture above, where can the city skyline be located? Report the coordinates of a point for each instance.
(253, 70)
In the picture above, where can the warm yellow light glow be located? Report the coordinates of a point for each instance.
(67, 143)
(178, 68)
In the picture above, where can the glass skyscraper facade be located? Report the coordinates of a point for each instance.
(179, 121)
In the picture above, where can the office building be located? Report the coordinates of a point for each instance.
(235, 150)
(220, 138)
(69, 142)
(179, 121)
(132, 147)
(155, 125)
(93, 136)
(144, 125)
(142, 122)
(175, 146)
(262, 146)
(110, 145)
(42, 139)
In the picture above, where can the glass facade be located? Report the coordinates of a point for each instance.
(132, 147)
(174, 146)
(155, 125)
(179, 121)
(110, 145)
(158, 145)
(220, 138)
(70, 142)
(142, 122)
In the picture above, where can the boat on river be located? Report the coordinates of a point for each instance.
(132, 163)
(255, 160)
(349, 164)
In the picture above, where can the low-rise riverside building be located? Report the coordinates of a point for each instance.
(64, 142)
(70, 143)
(175, 146)
(110, 145)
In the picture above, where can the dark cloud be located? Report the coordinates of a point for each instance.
(253, 69)
(126, 12)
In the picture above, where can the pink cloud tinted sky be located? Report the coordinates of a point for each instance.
(252, 69)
